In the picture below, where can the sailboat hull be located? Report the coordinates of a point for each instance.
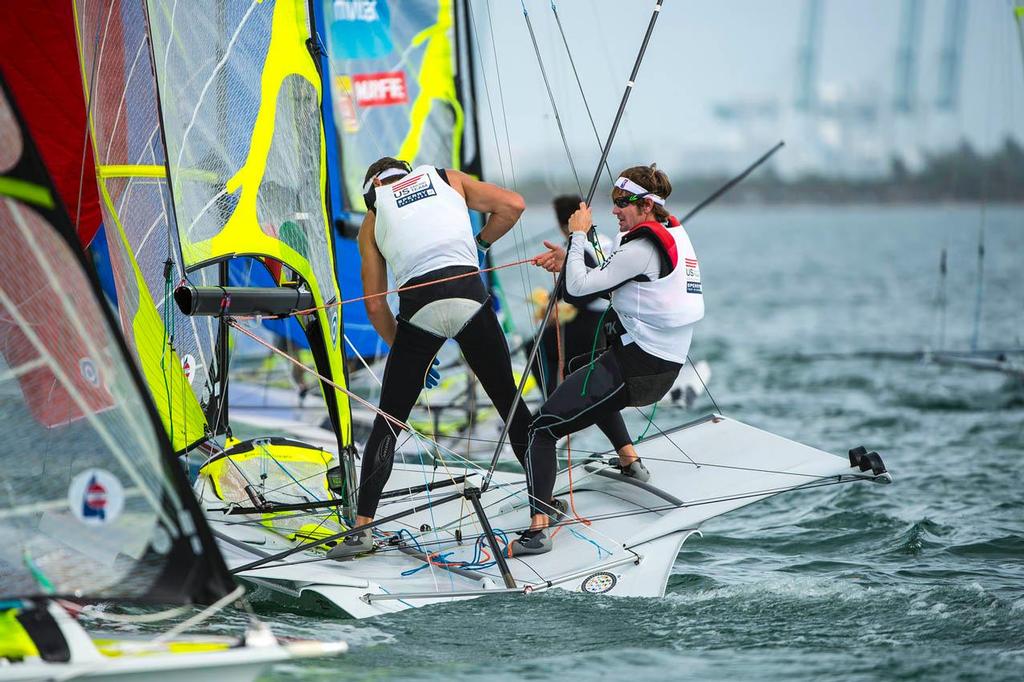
(622, 539)
(142, 660)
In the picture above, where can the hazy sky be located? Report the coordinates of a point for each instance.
(705, 52)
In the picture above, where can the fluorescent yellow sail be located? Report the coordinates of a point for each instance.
(240, 108)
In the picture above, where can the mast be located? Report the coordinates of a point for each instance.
(552, 299)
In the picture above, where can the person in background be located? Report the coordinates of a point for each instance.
(579, 316)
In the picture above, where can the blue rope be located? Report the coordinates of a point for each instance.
(583, 537)
(474, 564)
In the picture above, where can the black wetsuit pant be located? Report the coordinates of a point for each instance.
(485, 350)
(577, 339)
(619, 376)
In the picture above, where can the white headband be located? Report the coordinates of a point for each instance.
(633, 188)
(384, 175)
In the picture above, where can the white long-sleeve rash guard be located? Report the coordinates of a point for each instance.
(636, 257)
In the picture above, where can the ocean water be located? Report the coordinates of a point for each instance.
(920, 580)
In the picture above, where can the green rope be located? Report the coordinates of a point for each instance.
(650, 420)
(37, 573)
(593, 349)
(163, 356)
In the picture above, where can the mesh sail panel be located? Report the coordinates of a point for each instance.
(89, 504)
(240, 105)
(393, 67)
(278, 471)
(136, 206)
(240, 98)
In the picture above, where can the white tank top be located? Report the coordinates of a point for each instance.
(422, 224)
(659, 315)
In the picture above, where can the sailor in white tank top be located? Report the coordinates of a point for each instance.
(417, 226)
(422, 227)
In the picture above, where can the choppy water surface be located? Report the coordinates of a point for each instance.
(923, 579)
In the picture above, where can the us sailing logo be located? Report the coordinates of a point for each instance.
(412, 189)
(94, 500)
(692, 276)
(96, 496)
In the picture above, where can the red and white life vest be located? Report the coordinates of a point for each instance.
(659, 315)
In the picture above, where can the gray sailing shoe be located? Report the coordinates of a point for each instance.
(636, 470)
(352, 546)
(531, 542)
(559, 510)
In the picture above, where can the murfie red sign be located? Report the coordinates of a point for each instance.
(380, 89)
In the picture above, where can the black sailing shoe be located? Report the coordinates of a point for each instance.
(352, 546)
(531, 542)
(559, 510)
(636, 470)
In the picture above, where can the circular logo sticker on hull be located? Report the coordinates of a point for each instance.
(599, 583)
(96, 497)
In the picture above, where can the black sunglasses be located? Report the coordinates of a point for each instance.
(623, 202)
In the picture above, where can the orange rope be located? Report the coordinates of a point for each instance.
(413, 286)
(394, 420)
(568, 439)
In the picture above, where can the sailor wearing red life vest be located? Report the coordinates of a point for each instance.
(653, 280)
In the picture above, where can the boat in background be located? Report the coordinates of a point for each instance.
(96, 507)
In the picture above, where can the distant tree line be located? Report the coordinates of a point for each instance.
(959, 174)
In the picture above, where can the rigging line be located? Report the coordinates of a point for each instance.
(733, 467)
(579, 84)
(362, 360)
(430, 506)
(732, 183)
(202, 616)
(309, 311)
(551, 96)
(357, 398)
(668, 438)
(705, 386)
(518, 239)
(390, 418)
(561, 275)
(822, 482)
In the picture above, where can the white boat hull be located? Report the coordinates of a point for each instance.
(623, 543)
(142, 660)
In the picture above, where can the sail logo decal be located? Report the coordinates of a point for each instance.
(333, 320)
(87, 368)
(96, 497)
(599, 583)
(692, 276)
(413, 189)
(360, 29)
(382, 89)
(188, 366)
(356, 10)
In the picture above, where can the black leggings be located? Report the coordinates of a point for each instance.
(483, 345)
(570, 408)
